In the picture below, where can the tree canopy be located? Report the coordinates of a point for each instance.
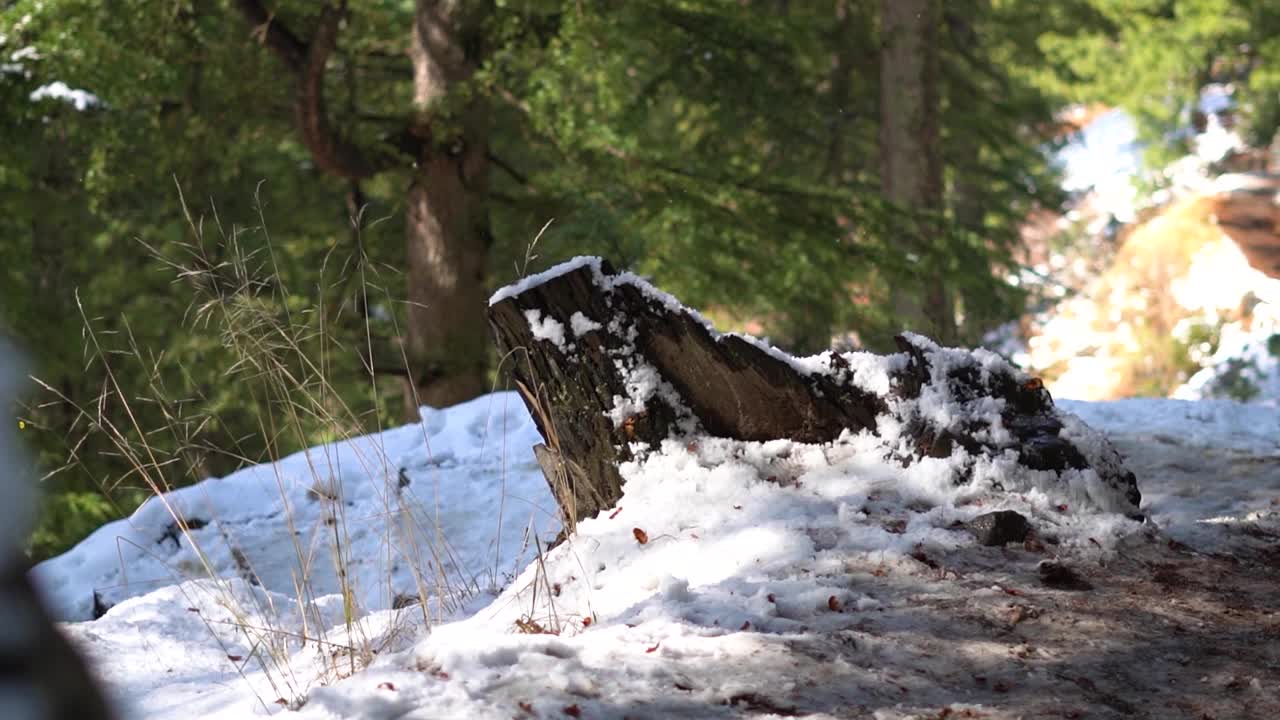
(210, 208)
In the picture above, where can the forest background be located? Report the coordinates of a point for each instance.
(356, 177)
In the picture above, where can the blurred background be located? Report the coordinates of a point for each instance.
(211, 208)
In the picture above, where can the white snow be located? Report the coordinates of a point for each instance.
(720, 556)
(26, 53)
(547, 328)
(582, 324)
(443, 506)
(537, 279)
(1208, 459)
(79, 99)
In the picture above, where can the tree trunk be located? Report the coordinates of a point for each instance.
(447, 220)
(607, 366)
(910, 161)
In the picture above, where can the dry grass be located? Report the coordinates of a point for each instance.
(285, 356)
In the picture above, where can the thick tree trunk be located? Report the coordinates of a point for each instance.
(606, 365)
(910, 161)
(447, 220)
(447, 235)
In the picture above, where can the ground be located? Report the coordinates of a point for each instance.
(843, 592)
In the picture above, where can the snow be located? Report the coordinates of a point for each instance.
(1213, 462)
(582, 324)
(539, 278)
(547, 328)
(79, 99)
(725, 580)
(720, 560)
(26, 53)
(445, 504)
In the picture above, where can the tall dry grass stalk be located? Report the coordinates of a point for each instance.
(284, 357)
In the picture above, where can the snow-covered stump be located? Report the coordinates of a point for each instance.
(609, 367)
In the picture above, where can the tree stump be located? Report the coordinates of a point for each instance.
(609, 366)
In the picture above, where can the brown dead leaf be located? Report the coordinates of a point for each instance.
(642, 537)
(529, 626)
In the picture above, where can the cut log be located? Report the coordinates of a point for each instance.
(609, 366)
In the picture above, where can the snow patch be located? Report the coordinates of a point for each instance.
(464, 475)
(81, 100)
(582, 325)
(547, 328)
(524, 284)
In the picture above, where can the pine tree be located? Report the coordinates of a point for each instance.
(730, 149)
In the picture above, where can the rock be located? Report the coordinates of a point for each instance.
(999, 527)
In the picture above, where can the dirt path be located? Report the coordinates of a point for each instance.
(1163, 631)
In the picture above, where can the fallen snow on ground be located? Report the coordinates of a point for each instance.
(443, 509)
(732, 579)
(1210, 467)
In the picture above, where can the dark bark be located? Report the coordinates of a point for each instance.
(447, 223)
(727, 386)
